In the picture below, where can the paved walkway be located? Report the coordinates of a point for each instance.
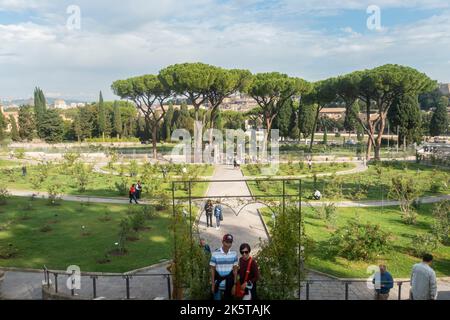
(242, 222)
(27, 285)
(327, 288)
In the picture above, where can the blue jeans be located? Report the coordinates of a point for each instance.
(218, 221)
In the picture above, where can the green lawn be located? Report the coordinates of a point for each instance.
(8, 163)
(100, 185)
(368, 185)
(201, 170)
(398, 260)
(66, 245)
(298, 169)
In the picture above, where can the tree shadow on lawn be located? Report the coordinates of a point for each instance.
(420, 225)
(442, 266)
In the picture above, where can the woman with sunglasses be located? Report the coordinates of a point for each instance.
(248, 282)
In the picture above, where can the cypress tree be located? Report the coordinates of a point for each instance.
(14, 131)
(27, 125)
(168, 123)
(117, 120)
(101, 116)
(40, 107)
(52, 127)
(3, 125)
(439, 121)
(405, 114)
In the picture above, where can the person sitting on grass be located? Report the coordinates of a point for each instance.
(317, 195)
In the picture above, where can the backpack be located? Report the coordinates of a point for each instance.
(218, 212)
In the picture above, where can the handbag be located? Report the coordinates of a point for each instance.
(237, 290)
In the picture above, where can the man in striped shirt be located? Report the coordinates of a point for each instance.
(224, 266)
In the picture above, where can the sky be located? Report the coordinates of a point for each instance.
(46, 43)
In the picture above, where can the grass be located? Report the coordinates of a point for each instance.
(298, 169)
(202, 170)
(65, 243)
(398, 260)
(99, 185)
(8, 163)
(368, 185)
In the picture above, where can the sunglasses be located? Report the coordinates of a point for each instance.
(228, 241)
(245, 252)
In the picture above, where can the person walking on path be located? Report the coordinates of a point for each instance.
(383, 283)
(423, 280)
(248, 273)
(138, 190)
(24, 171)
(309, 164)
(224, 267)
(209, 212)
(218, 214)
(132, 194)
(205, 246)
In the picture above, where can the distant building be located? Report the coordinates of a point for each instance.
(333, 113)
(74, 105)
(445, 88)
(59, 104)
(239, 102)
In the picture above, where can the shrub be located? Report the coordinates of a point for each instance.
(8, 252)
(10, 174)
(41, 174)
(163, 201)
(441, 226)
(134, 168)
(82, 175)
(46, 228)
(122, 186)
(328, 213)
(424, 243)
(19, 153)
(404, 190)
(149, 212)
(54, 194)
(278, 258)
(4, 196)
(125, 231)
(70, 158)
(106, 216)
(137, 221)
(362, 191)
(358, 241)
(334, 187)
(190, 267)
(436, 186)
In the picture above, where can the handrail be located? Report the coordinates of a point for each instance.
(95, 276)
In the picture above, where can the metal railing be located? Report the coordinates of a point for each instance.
(95, 277)
(308, 284)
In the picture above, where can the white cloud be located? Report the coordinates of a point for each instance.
(110, 46)
(17, 5)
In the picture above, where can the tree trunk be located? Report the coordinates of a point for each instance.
(267, 134)
(154, 133)
(380, 137)
(314, 129)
